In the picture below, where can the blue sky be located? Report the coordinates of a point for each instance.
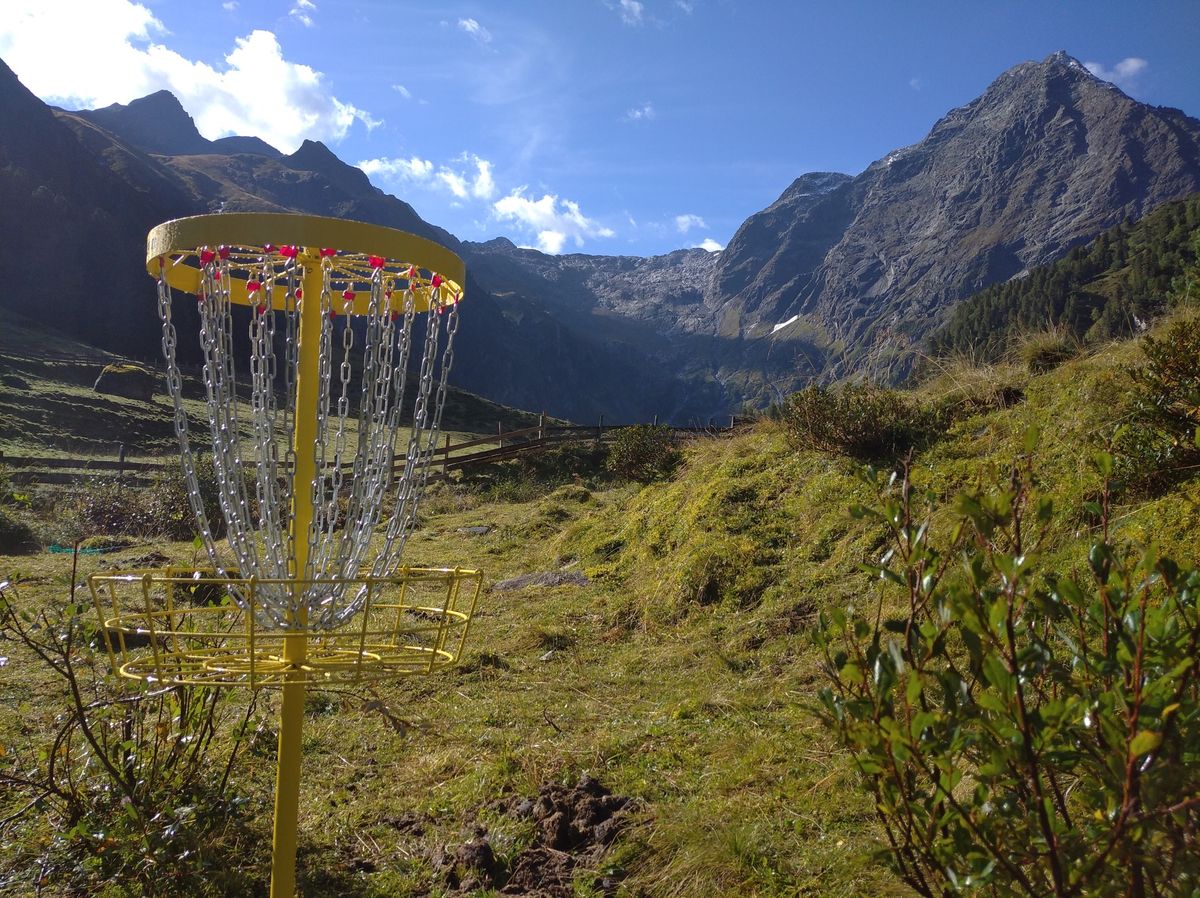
(602, 126)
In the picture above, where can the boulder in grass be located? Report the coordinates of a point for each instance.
(130, 381)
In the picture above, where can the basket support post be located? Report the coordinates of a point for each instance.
(295, 646)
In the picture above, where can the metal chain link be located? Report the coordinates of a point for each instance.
(261, 540)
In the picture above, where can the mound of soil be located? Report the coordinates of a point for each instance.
(574, 827)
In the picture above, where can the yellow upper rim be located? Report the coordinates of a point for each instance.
(173, 248)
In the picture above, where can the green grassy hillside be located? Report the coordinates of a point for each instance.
(681, 674)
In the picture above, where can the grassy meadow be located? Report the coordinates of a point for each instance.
(679, 671)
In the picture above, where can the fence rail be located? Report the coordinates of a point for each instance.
(450, 456)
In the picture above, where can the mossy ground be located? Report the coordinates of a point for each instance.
(682, 674)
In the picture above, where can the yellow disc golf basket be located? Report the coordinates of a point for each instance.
(326, 346)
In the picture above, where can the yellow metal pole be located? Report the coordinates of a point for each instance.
(295, 648)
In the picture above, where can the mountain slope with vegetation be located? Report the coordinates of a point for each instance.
(1111, 287)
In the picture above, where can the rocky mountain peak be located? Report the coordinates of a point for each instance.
(156, 123)
(314, 156)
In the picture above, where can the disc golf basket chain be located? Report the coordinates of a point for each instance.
(309, 345)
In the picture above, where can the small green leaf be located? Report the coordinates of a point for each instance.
(1144, 743)
(912, 690)
(1032, 435)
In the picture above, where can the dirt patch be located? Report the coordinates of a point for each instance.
(574, 825)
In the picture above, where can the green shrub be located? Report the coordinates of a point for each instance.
(103, 506)
(15, 535)
(130, 781)
(858, 420)
(643, 452)
(1160, 441)
(1022, 732)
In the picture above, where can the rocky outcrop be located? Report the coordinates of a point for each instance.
(130, 381)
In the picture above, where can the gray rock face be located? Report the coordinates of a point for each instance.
(1048, 156)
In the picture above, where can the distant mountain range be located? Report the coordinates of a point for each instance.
(841, 275)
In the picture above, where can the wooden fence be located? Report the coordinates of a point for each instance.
(450, 456)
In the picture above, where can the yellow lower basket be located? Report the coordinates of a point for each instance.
(184, 626)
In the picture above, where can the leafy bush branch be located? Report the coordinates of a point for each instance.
(1024, 732)
(133, 782)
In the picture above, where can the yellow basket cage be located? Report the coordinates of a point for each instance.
(190, 626)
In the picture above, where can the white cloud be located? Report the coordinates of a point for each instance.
(454, 182)
(229, 5)
(256, 92)
(916, 83)
(1124, 74)
(684, 223)
(301, 12)
(631, 12)
(413, 169)
(686, 5)
(645, 112)
(483, 186)
(709, 244)
(403, 91)
(477, 31)
(475, 180)
(553, 220)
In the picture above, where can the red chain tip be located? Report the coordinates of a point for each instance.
(327, 251)
(348, 295)
(395, 315)
(377, 261)
(332, 314)
(411, 273)
(436, 282)
(251, 286)
(268, 247)
(206, 256)
(223, 252)
(288, 252)
(262, 309)
(216, 275)
(299, 293)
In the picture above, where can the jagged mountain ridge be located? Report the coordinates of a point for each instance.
(841, 274)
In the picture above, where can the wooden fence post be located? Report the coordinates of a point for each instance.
(600, 429)
(446, 457)
(542, 426)
(500, 433)
(120, 468)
